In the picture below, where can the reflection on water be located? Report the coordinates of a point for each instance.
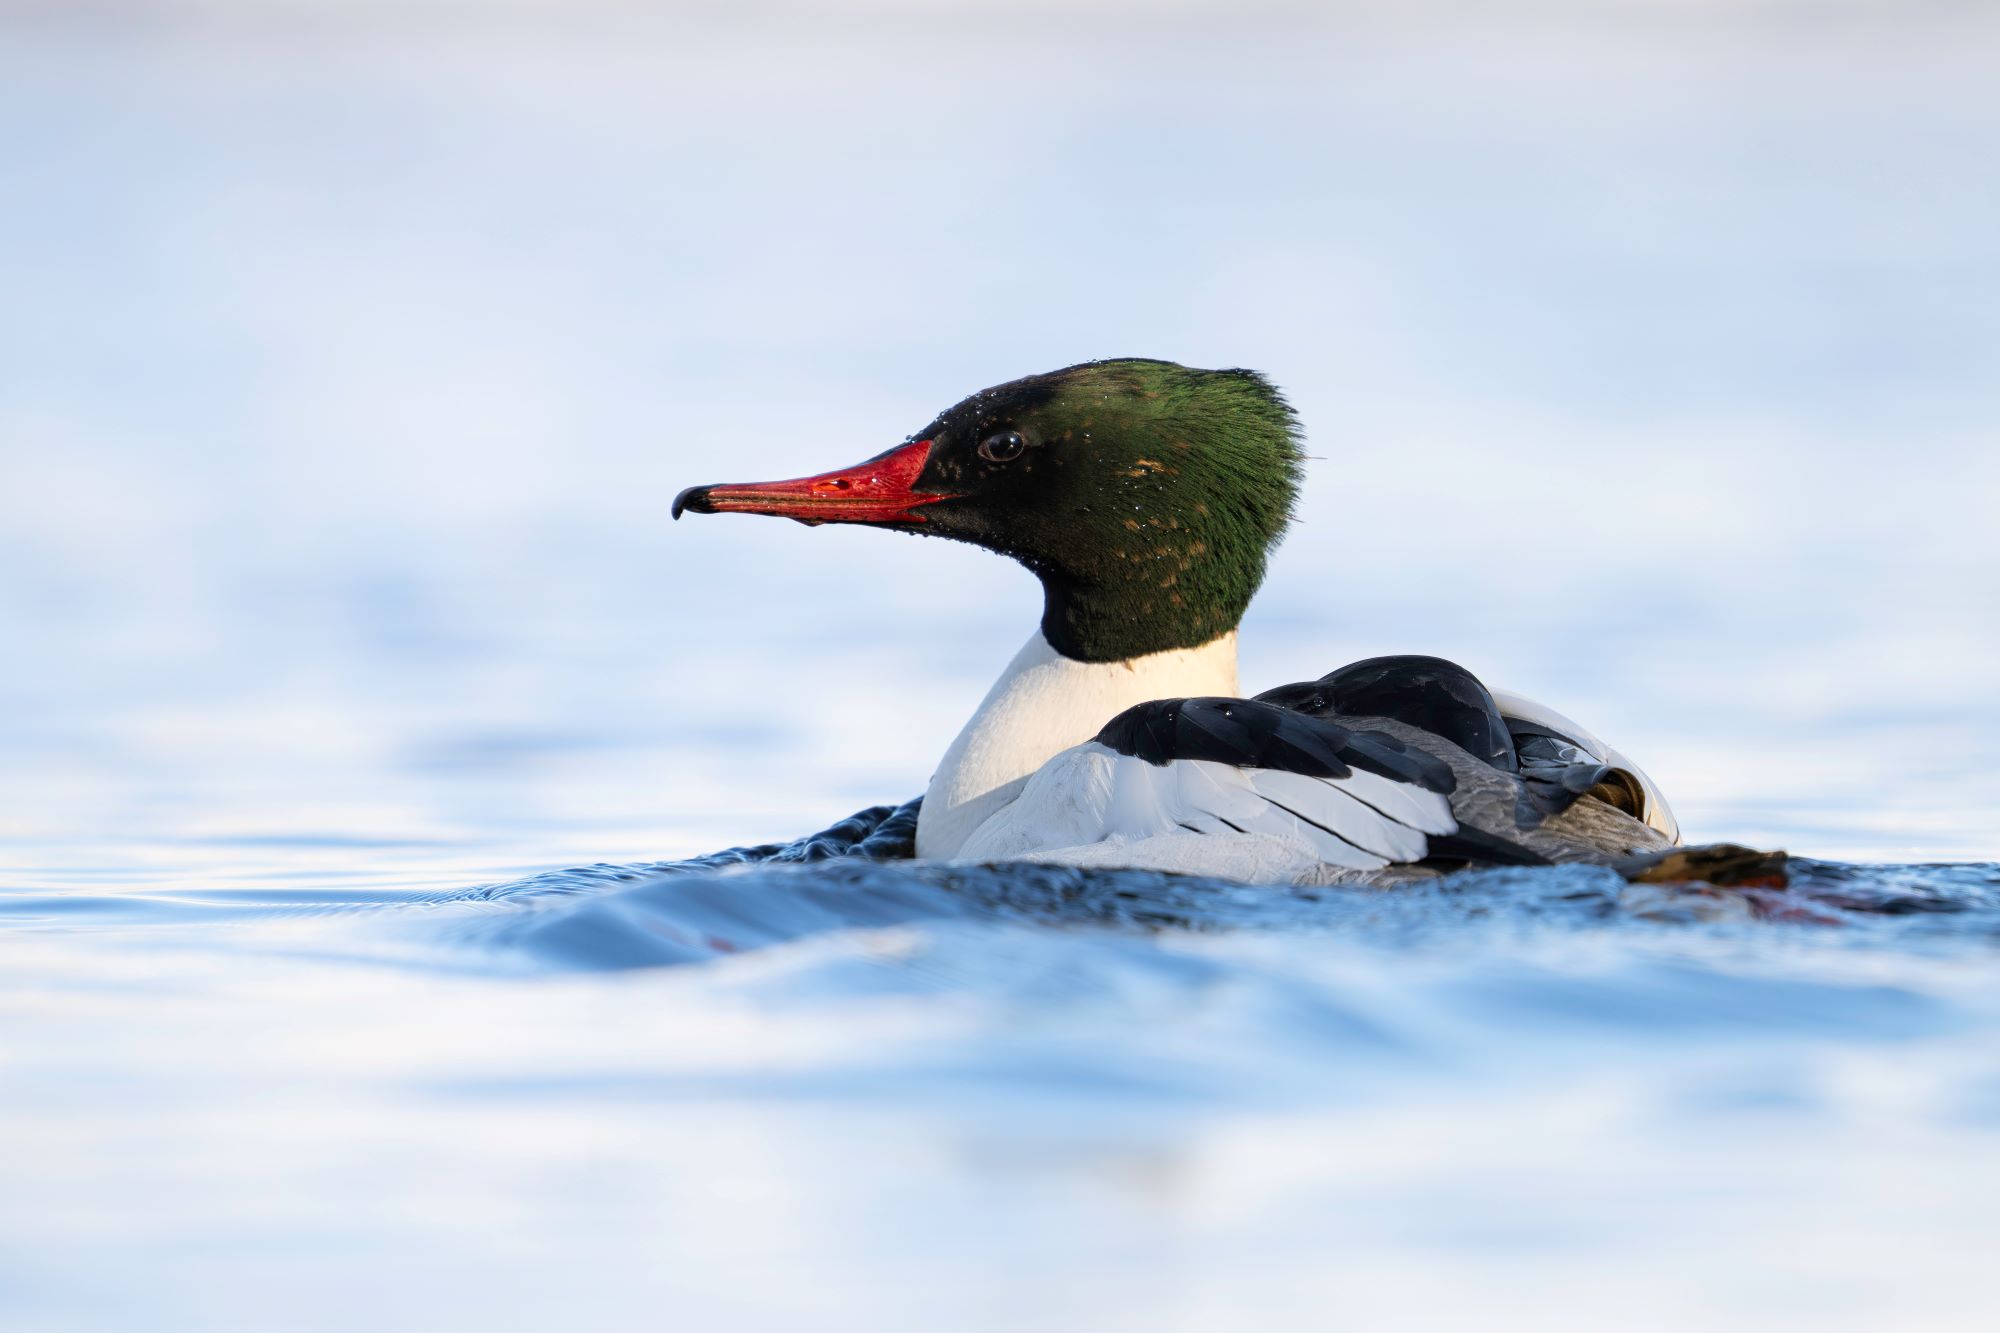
(746, 1088)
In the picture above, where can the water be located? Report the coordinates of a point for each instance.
(857, 1093)
(352, 356)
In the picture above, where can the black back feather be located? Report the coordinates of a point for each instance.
(1427, 693)
(1253, 733)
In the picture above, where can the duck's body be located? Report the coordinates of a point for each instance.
(1033, 777)
(1146, 495)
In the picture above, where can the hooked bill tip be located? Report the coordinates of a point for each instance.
(695, 498)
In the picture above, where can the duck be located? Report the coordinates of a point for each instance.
(1148, 497)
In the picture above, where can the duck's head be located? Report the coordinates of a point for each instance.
(1144, 494)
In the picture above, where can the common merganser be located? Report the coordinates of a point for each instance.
(1146, 496)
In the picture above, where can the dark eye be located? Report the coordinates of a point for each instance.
(1002, 446)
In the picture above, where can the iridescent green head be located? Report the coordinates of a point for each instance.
(1145, 495)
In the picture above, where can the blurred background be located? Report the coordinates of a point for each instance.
(352, 351)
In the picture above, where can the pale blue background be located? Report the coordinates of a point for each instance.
(351, 353)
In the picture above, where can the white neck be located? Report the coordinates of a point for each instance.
(1042, 704)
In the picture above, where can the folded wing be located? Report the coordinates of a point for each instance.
(1356, 799)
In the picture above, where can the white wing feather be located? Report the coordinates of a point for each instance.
(1425, 811)
(1090, 795)
(1323, 802)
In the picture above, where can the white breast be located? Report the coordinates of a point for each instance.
(1043, 704)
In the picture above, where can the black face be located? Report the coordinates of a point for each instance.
(1145, 495)
(1011, 464)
